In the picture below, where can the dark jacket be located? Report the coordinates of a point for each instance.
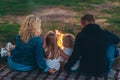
(91, 44)
(30, 53)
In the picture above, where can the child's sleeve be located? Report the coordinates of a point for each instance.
(62, 54)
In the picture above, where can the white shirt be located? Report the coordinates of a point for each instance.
(53, 63)
(68, 51)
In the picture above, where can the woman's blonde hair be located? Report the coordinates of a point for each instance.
(51, 45)
(69, 40)
(30, 27)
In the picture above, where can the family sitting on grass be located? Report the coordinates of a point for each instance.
(92, 52)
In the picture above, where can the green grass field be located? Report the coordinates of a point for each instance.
(26, 6)
(102, 9)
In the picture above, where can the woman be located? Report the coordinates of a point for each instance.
(28, 52)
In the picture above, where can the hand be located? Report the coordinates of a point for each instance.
(7, 53)
(52, 70)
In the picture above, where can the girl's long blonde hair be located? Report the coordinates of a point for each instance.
(30, 28)
(51, 45)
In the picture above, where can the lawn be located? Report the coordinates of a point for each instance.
(8, 7)
(66, 20)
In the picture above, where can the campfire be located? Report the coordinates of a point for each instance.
(59, 37)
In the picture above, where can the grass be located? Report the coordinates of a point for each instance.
(115, 25)
(8, 31)
(114, 20)
(26, 6)
(58, 26)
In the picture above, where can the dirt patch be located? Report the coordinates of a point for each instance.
(47, 14)
(64, 15)
(108, 5)
(61, 14)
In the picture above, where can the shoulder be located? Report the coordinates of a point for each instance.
(37, 40)
(68, 51)
(18, 37)
(79, 35)
(108, 33)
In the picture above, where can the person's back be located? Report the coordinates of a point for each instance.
(91, 44)
(28, 52)
(52, 51)
(24, 53)
(93, 50)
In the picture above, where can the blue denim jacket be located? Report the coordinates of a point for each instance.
(30, 54)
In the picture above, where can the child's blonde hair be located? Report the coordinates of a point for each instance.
(68, 40)
(51, 45)
(30, 26)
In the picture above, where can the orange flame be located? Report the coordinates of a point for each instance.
(59, 38)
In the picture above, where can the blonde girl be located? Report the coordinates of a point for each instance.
(52, 51)
(68, 43)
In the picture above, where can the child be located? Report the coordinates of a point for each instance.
(52, 51)
(68, 43)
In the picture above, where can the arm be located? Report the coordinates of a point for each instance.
(111, 53)
(75, 55)
(112, 37)
(40, 56)
(63, 55)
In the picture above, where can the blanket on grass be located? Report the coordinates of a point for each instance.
(7, 74)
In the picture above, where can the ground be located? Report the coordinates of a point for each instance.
(65, 18)
(64, 14)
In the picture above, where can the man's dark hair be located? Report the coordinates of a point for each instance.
(88, 17)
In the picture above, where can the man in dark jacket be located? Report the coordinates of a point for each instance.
(94, 47)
